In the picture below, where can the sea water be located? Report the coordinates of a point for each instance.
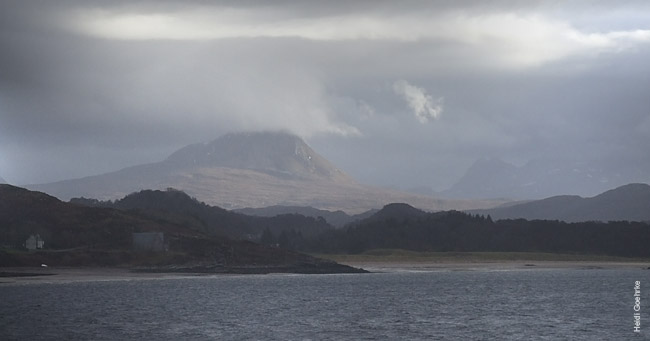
(537, 304)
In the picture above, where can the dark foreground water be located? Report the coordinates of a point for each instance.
(463, 305)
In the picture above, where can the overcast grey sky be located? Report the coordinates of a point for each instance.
(399, 93)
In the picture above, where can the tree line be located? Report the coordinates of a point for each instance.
(461, 232)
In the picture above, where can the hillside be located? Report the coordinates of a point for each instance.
(76, 235)
(630, 202)
(251, 170)
(176, 206)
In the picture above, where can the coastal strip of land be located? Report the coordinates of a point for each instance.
(372, 261)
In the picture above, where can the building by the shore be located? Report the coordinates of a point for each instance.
(34, 242)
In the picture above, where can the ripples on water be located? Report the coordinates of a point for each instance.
(463, 305)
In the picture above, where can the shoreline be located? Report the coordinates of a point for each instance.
(40, 275)
(34, 275)
(397, 259)
(64, 274)
(432, 266)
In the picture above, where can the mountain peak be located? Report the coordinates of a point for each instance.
(629, 202)
(278, 153)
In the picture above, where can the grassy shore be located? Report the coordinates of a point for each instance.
(405, 256)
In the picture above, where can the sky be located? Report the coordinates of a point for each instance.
(395, 93)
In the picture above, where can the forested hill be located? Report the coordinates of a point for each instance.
(177, 206)
(457, 231)
(76, 235)
(335, 218)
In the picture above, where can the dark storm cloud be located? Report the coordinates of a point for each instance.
(89, 87)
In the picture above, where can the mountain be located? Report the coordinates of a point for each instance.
(250, 170)
(2, 181)
(541, 178)
(335, 218)
(276, 153)
(77, 235)
(629, 202)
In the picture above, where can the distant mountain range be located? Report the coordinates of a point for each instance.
(251, 170)
(494, 178)
(630, 202)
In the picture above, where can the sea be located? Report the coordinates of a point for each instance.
(521, 304)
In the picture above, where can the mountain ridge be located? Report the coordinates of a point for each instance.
(628, 202)
(272, 152)
(277, 169)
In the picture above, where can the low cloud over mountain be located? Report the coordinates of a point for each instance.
(542, 178)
